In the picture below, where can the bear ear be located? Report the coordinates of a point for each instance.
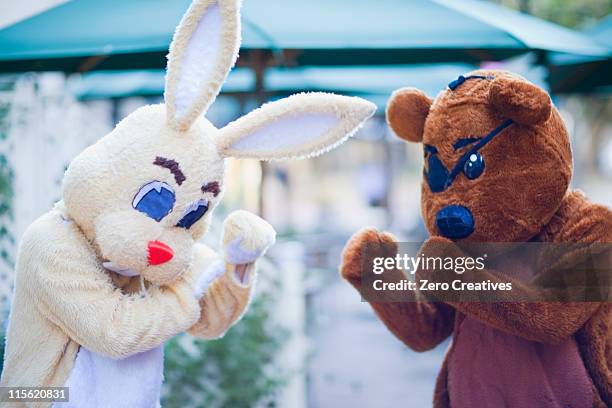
(520, 100)
(406, 113)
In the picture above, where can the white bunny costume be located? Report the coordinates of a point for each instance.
(115, 269)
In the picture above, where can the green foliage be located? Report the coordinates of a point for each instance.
(6, 194)
(573, 14)
(237, 371)
(6, 198)
(6, 188)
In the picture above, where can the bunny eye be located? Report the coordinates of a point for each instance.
(155, 199)
(193, 213)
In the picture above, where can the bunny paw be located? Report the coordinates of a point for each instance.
(246, 237)
(207, 277)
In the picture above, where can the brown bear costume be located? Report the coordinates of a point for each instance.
(513, 188)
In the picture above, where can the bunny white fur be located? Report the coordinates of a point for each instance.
(66, 303)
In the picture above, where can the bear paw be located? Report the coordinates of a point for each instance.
(362, 248)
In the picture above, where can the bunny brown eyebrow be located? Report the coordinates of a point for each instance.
(212, 187)
(173, 166)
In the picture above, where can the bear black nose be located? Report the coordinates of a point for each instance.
(455, 221)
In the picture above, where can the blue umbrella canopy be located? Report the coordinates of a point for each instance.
(430, 78)
(570, 73)
(602, 31)
(84, 35)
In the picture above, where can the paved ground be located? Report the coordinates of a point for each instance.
(357, 363)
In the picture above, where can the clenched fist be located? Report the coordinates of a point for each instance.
(361, 249)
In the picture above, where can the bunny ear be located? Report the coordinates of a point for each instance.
(203, 50)
(299, 126)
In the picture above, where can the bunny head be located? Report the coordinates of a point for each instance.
(144, 193)
(497, 156)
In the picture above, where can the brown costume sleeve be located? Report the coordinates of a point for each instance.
(546, 322)
(550, 322)
(420, 325)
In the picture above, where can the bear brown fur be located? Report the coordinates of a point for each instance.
(522, 195)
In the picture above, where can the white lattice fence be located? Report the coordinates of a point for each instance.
(47, 128)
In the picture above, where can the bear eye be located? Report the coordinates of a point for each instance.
(474, 166)
(155, 199)
(193, 213)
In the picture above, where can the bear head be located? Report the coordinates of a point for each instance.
(497, 158)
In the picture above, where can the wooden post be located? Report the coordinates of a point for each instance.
(259, 62)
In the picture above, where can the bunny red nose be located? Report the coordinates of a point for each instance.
(159, 253)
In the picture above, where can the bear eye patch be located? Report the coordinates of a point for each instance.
(430, 149)
(461, 79)
(437, 175)
(465, 142)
